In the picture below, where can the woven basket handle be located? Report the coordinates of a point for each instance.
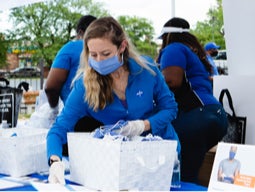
(161, 161)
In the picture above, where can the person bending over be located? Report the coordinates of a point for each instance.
(201, 120)
(115, 84)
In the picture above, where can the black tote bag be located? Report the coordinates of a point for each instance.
(10, 99)
(236, 124)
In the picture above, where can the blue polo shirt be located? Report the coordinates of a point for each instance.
(214, 67)
(178, 54)
(68, 58)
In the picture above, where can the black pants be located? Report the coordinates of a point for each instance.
(85, 124)
(198, 130)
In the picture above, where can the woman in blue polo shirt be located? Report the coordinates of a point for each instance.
(118, 84)
(201, 121)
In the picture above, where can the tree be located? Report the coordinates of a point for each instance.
(45, 27)
(141, 32)
(211, 29)
(3, 51)
(49, 25)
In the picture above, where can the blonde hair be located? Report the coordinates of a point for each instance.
(99, 87)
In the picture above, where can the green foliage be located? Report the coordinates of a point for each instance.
(141, 32)
(212, 28)
(3, 51)
(49, 25)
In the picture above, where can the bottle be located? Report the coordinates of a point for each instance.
(176, 177)
(5, 124)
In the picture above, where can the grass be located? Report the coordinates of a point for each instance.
(24, 116)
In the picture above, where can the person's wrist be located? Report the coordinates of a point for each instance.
(146, 125)
(54, 159)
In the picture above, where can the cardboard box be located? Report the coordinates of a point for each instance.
(23, 151)
(206, 169)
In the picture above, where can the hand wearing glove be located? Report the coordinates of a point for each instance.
(57, 172)
(53, 113)
(133, 128)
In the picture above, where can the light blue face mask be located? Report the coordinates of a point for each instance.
(106, 66)
(232, 155)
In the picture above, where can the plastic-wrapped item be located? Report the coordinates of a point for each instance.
(23, 151)
(44, 115)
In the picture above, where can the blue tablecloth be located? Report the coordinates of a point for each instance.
(185, 186)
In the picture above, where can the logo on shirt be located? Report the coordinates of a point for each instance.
(139, 93)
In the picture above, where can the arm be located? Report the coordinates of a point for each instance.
(237, 170)
(166, 107)
(165, 111)
(147, 125)
(220, 173)
(173, 64)
(158, 107)
(74, 109)
(66, 60)
(173, 77)
(54, 83)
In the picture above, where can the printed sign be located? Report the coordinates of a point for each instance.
(7, 108)
(233, 168)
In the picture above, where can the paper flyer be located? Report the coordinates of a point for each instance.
(233, 168)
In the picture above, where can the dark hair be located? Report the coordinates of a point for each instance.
(186, 38)
(177, 22)
(84, 22)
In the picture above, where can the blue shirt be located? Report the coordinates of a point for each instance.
(68, 58)
(147, 97)
(178, 54)
(214, 67)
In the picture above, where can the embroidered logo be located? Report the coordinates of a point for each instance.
(139, 93)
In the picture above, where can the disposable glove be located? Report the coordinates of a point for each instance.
(56, 173)
(55, 109)
(53, 113)
(133, 128)
(109, 129)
